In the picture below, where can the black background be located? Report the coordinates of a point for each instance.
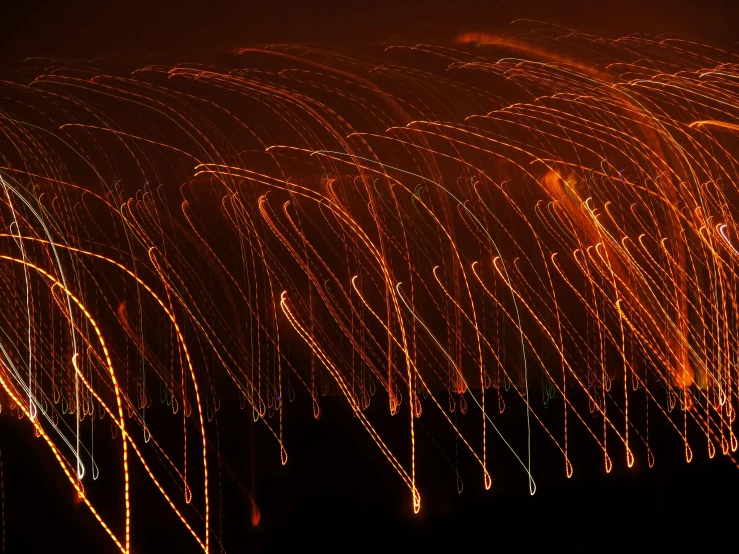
(338, 494)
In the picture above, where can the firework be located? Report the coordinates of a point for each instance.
(484, 230)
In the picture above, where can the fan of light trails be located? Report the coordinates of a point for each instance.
(482, 230)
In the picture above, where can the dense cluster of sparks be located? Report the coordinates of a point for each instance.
(542, 220)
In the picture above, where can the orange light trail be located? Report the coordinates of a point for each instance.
(522, 221)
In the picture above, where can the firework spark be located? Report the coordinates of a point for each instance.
(534, 221)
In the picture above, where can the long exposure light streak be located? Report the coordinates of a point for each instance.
(482, 231)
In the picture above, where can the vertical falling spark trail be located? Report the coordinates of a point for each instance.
(532, 485)
(289, 222)
(526, 467)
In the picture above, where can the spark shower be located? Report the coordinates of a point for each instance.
(499, 229)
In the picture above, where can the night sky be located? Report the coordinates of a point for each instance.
(88, 28)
